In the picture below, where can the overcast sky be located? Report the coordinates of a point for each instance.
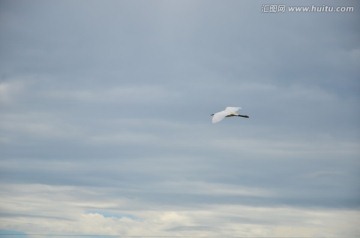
(105, 124)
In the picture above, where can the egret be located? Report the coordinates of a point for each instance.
(228, 112)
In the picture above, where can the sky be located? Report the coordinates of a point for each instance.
(105, 127)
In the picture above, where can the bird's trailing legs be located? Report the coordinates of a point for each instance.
(237, 115)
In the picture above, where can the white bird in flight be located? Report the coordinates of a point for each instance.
(228, 112)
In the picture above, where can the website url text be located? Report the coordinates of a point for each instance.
(280, 8)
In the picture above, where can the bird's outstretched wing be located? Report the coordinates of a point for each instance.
(219, 116)
(232, 109)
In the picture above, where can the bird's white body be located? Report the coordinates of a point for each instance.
(228, 112)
